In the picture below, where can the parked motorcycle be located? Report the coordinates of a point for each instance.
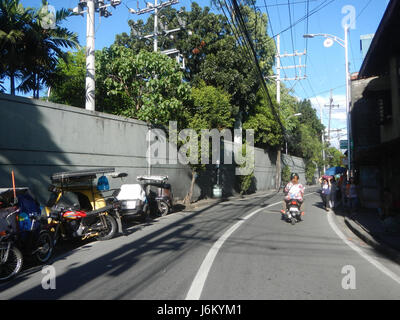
(163, 197)
(135, 200)
(77, 209)
(293, 213)
(22, 232)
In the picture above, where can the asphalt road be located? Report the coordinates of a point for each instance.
(238, 249)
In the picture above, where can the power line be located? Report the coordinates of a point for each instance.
(284, 4)
(312, 12)
(291, 36)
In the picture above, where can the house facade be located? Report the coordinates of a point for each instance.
(375, 115)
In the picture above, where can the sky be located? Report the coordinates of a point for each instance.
(325, 67)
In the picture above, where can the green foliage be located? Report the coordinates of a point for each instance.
(30, 50)
(261, 119)
(286, 174)
(310, 171)
(70, 85)
(212, 52)
(334, 157)
(209, 108)
(246, 182)
(305, 138)
(148, 86)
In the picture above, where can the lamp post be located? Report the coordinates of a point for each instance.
(343, 43)
(293, 115)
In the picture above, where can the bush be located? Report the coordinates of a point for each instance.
(310, 172)
(285, 174)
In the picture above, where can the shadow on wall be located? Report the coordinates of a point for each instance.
(27, 147)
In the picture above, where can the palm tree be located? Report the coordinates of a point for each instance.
(14, 21)
(44, 49)
(30, 49)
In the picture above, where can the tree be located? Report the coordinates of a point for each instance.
(305, 139)
(334, 157)
(69, 86)
(29, 47)
(44, 47)
(262, 120)
(14, 25)
(147, 86)
(209, 108)
(212, 52)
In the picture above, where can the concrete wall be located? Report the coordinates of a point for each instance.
(40, 138)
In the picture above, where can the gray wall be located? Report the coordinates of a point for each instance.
(40, 138)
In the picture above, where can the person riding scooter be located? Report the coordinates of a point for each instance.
(293, 190)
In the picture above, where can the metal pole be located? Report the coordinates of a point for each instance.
(155, 26)
(90, 59)
(346, 31)
(278, 100)
(278, 69)
(323, 141)
(330, 115)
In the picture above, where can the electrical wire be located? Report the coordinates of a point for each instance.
(291, 36)
(243, 29)
(311, 13)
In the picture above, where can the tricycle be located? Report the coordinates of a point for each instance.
(22, 231)
(77, 208)
(140, 199)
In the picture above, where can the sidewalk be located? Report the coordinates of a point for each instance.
(384, 236)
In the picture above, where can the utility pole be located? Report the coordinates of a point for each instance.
(154, 7)
(330, 106)
(92, 6)
(278, 80)
(323, 140)
(90, 58)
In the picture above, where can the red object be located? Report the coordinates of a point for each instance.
(294, 202)
(13, 182)
(73, 215)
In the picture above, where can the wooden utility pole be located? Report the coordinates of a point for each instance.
(330, 106)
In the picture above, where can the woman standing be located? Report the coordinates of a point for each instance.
(326, 193)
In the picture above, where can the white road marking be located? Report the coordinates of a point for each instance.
(197, 286)
(371, 260)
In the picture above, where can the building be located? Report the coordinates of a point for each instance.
(365, 43)
(375, 114)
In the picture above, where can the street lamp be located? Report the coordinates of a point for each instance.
(343, 43)
(293, 115)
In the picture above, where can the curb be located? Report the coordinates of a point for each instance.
(369, 239)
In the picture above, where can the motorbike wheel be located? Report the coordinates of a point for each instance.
(111, 229)
(144, 216)
(13, 265)
(293, 221)
(163, 208)
(45, 247)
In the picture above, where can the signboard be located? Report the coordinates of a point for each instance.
(343, 144)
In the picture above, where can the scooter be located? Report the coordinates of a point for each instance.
(293, 213)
